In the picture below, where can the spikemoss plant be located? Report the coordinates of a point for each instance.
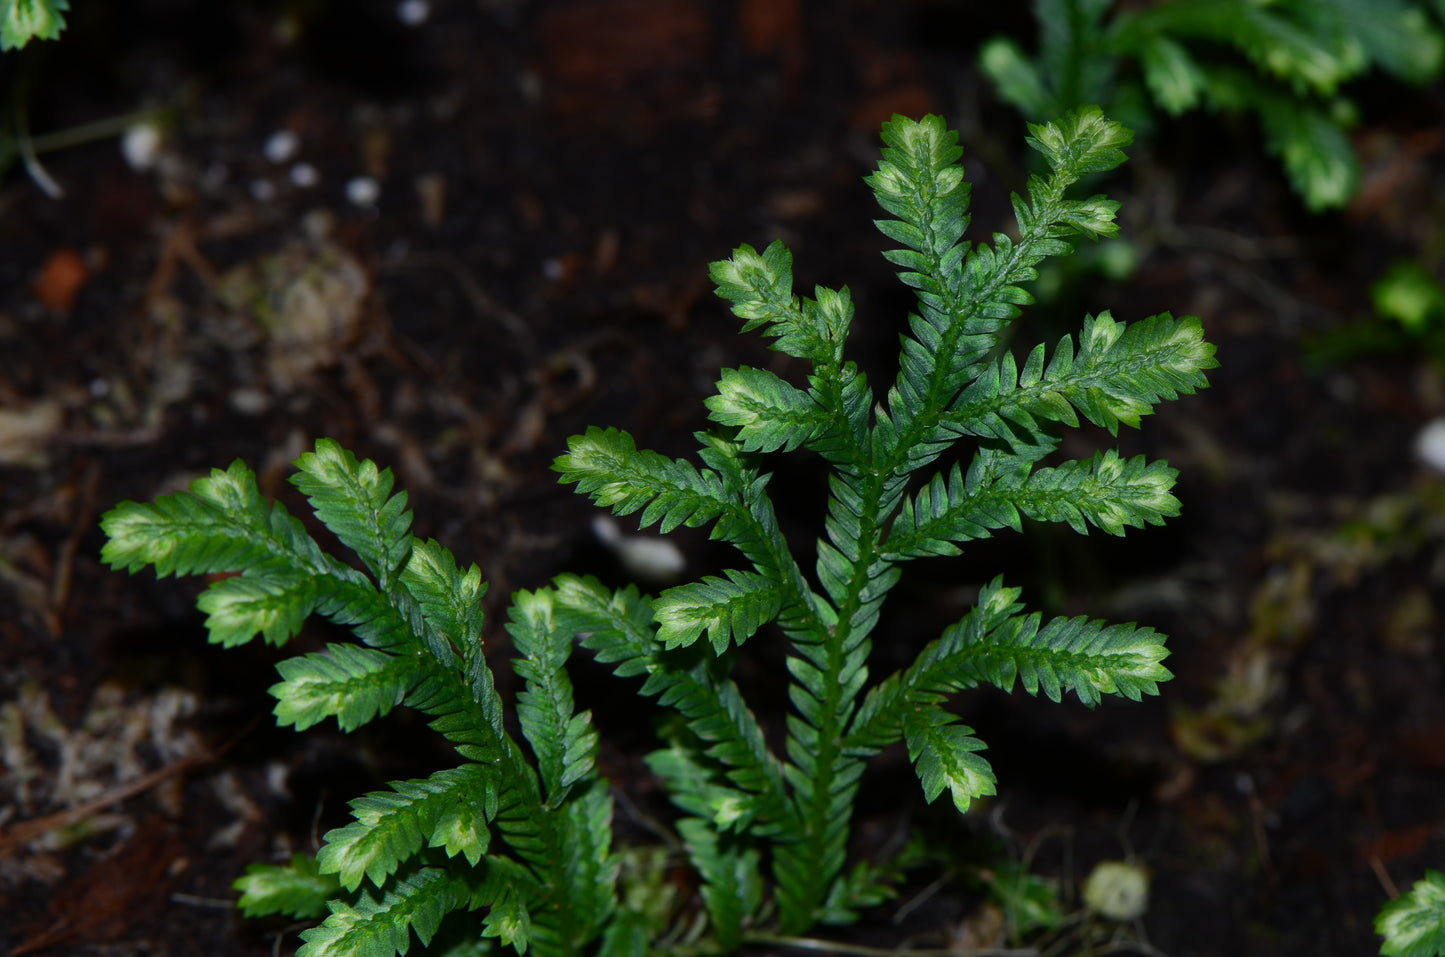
(520, 829)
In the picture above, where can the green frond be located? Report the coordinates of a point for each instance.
(1071, 67)
(1016, 79)
(699, 786)
(1119, 373)
(565, 743)
(1413, 924)
(382, 927)
(748, 527)
(803, 870)
(732, 885)
(920, 181)
(729, 610)
(351, 682)
(629, 934)
(353, 499)
(1173, 77)
(617, 626)
(939, 670)
(1397, 36)
(608, 467)
(1108, 492)
(1314, 149)
(959, 508)
(450, 599)
(24, 20)
(370, 615)
(1288, 41)
(238, 609)
(448, 809)
(717, 714)
(966, 296)
(589, 868)
(221, 525)
(769, 413)
(943, 753)
(1081, 142)
(760, 288)
(827, 679)
(1086, 656)
(509, 921)
(297, 889)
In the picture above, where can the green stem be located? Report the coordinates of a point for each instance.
(822, 821)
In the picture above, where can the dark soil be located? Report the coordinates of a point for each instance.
(554, 180)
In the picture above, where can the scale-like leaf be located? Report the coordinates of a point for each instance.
(239, 609)
(617, 627)
(1413, 924)
(221, 525)
(1083, 655)
(769, 413)
(565, 743)
(760, 287)
(450, 599)
(607, 466)
(382, 927)
(1118, 374)
(1110, 493)
(1081, 142)
(509, 921)
(944, 755)
(297, 889)
(589, 867)
(730, 609)
(732, 881)
(393, 825)
(24, 20)
(941, 668)
(353, 499)
(352, 682)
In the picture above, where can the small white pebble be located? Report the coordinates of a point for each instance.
(304, 175)
(413, 13)
(249, 401)
(1430, 444)
(278, 778)
(263, 190)
(1117, 890)
(140, 144)
(553, 269)
(281, 146)
(651, 560)
(99, 388)
(362, 191)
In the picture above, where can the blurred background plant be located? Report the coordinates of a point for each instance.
(1287, 62)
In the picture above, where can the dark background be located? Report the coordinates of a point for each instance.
(554, 179)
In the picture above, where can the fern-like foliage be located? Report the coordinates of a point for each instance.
(423, 849)
(954, 388)
(1290, 60)
(520, 830)
(24, 20)
(1413, 924)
